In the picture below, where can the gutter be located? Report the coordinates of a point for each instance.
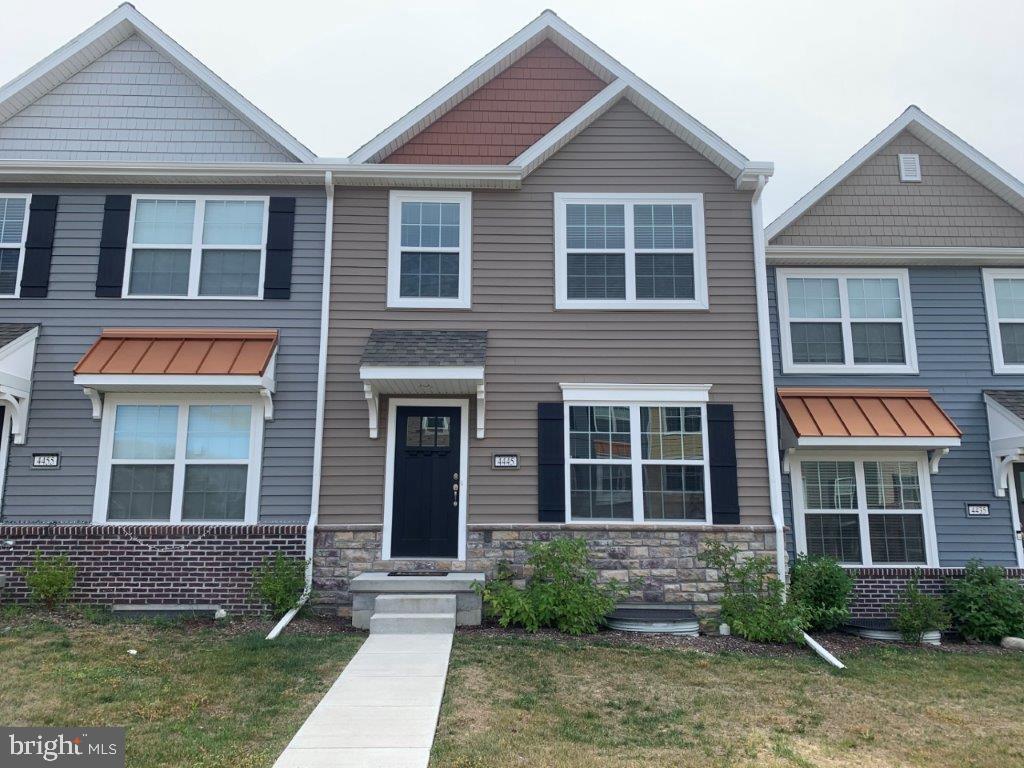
(771, 421)
(321, 397)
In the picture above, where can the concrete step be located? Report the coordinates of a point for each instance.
(414, 604)
(412, 623)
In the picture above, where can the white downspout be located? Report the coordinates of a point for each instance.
(771, 423)
(321, 395)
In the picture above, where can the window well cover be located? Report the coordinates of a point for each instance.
(178, 351)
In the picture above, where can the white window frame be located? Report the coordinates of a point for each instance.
(634, 397)
(196, 247)
(902, 276)
(21, 246)
(465, 250)
(700, 268)
(920, 458)
(183, 402)
(989, 277)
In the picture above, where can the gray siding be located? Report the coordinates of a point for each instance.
(871, 207)
(133, 103)
(955, 365)
(531, 347)
(71, 317)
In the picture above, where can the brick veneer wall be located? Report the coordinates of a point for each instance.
(169, 565)
(878, 590)
(662, 559)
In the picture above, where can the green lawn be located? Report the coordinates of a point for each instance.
(534, 702)
(190, 697)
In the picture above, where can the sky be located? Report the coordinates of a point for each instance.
(803, 84)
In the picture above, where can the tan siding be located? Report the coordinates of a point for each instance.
(873, 207)
(531, 347)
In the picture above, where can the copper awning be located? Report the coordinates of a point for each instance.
(865, 416)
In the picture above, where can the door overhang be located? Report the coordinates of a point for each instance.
(17, 359)
(1005, 411)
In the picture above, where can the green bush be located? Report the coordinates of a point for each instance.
(50, 580)
(279, 582)
(918, 613)
(753, 603)
(985, 605)
(822, 588)
(562, 591)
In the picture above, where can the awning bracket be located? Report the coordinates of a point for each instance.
(372, 404)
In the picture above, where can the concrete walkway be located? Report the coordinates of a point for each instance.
(382, 710)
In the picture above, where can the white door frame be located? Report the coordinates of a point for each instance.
(1015, 519)
(5, 449)
(389, 468)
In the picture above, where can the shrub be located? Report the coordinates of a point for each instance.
(985, 605)
(918, 613)
(279, 582)
(562, 591)
(753, 603)
(822, 588)
(50, 580)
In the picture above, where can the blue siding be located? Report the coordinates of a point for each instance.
(954, 360)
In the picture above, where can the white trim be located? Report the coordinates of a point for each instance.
(882, 442)
(646, 394)
(421, 372)
(196, 247)
(882, 256)
(1016, 521)
(183, 401)
(174, 382)
(5, 449)
(629, 200)
(464, 249)
(902, 276)
(910, 167)
(989, 277)
(104, 35)
(389, 470)
(939, 138)
(859, 457)
(21, 245)
(549, 26)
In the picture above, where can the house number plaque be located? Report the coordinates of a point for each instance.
(45, 460)
(977, 510)
(505, 461)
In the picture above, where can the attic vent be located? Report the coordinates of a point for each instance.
(910, 168)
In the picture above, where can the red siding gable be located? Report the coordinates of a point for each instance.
(506, 115)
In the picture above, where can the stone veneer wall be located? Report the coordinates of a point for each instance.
(152, 564)
(662, 560)
(878, 590)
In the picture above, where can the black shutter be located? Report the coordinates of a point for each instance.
(550, 463)
(725, 502)
(35, 272)
(277, 283)
(113, 245)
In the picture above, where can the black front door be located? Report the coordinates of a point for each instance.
(425, 497)
(1018, 481)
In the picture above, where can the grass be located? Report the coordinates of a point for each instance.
(535, 702)
(190, 697)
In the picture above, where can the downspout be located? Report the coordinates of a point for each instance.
(771, 422)
(321, 395)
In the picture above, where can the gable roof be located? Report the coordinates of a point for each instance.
(939, 138)
(622, 83)
(110, 31)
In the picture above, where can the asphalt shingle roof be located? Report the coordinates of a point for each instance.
(425, 348)
(1011, 399)
(11, 331)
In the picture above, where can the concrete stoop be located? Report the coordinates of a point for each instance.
(424, 601)
(413, 615)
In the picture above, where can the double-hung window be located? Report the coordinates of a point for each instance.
(1004, 302)
(630, 251)
(196, 247)
(179, 459)
(636, 462)
(858, 321)
(429, 239)
(864, 511)
(13, 230)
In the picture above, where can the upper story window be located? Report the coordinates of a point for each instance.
(429, 240)
(630, 252)
(857, 321)
(189, 247)
(1004, 303)
(13, 229)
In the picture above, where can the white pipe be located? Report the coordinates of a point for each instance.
(321, 396)
(819, 649)
(771, 423)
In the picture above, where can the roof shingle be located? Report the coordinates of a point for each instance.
(425, 348)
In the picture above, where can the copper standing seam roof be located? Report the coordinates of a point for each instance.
(864, 412)
(180, 351)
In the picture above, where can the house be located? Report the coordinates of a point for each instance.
(550, 329)
(896, 290)
(161, 272)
